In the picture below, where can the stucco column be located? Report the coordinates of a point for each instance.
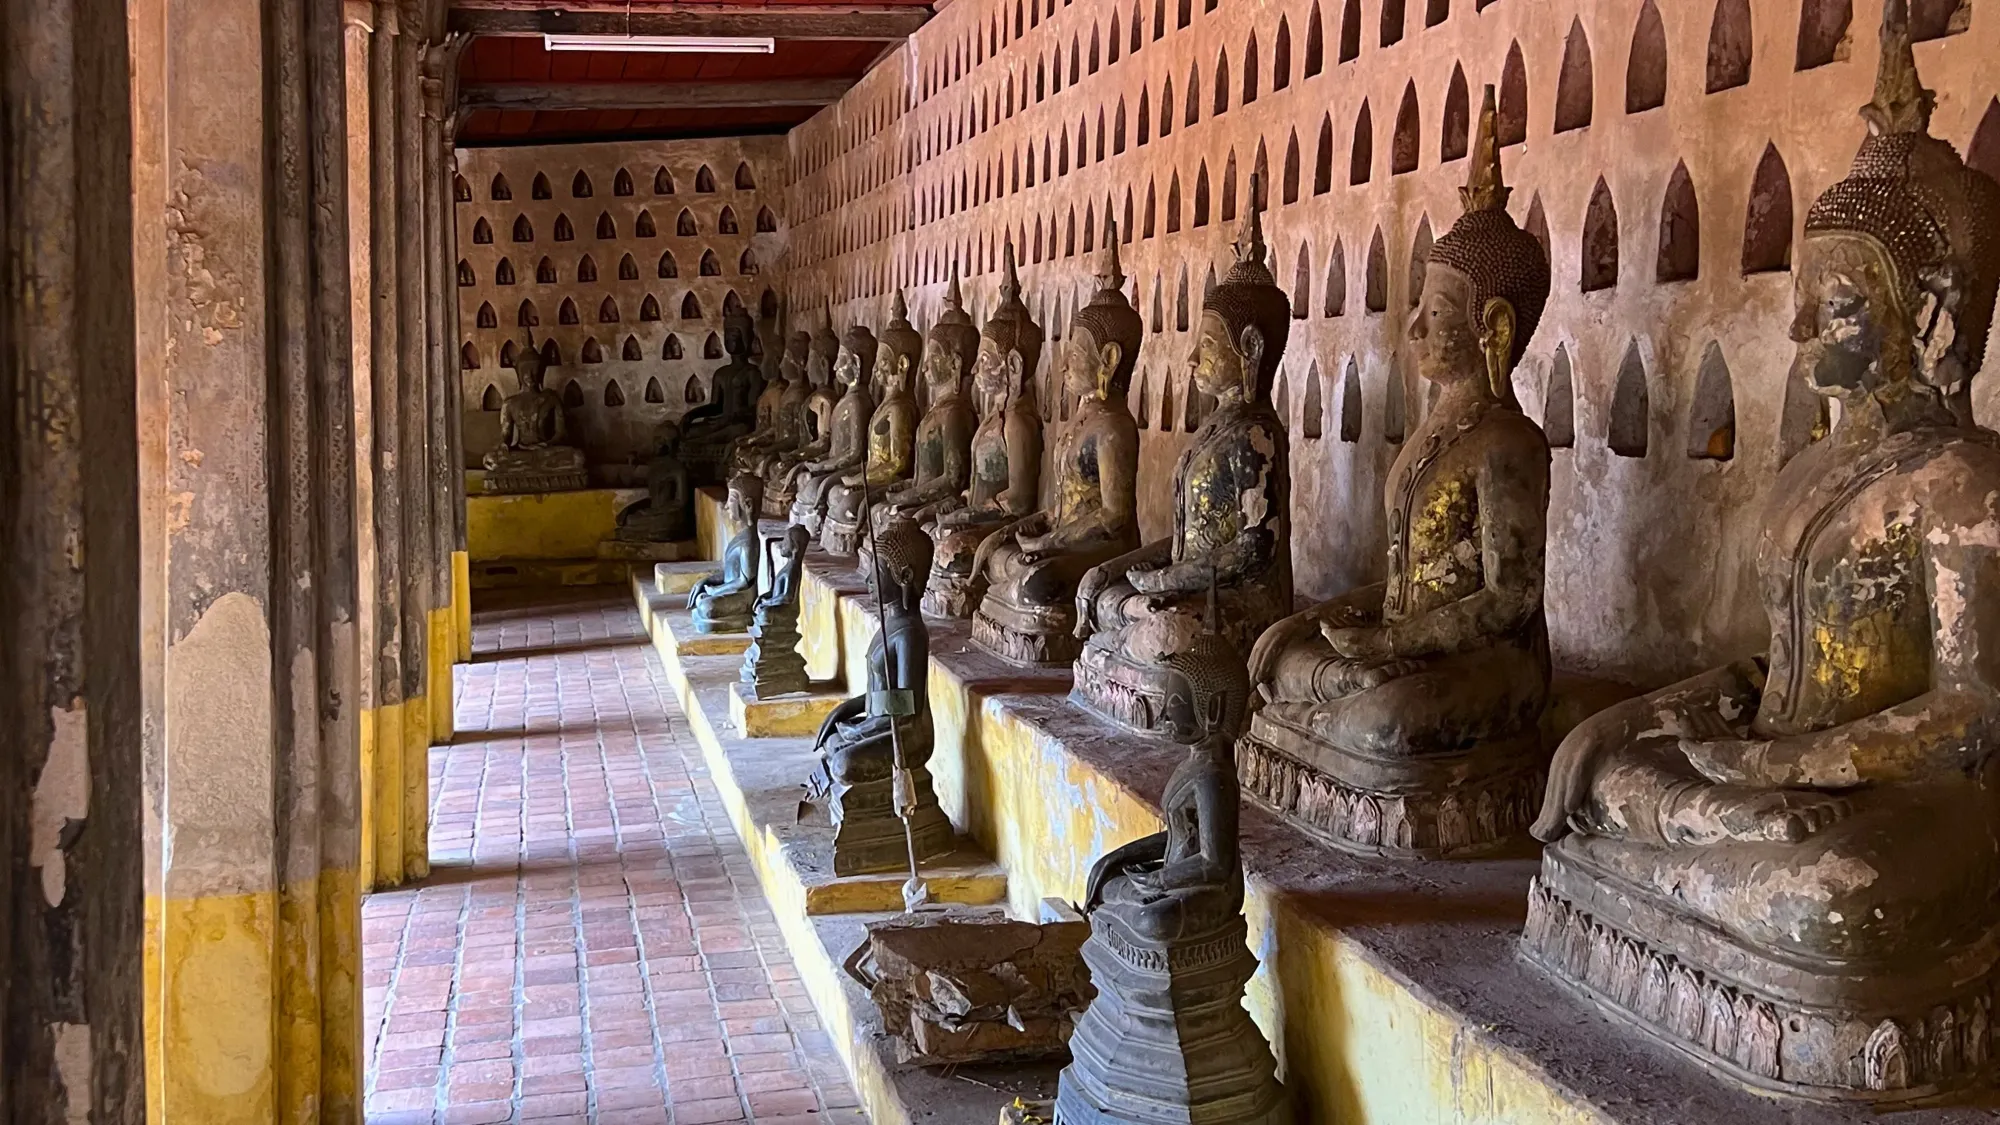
(440, 368)
(71, 779)
(253, 993)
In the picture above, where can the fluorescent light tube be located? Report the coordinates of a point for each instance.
(663, 44)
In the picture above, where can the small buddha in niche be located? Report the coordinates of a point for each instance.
(941, 465)
(534, 454)
(860, 741)
(1802, 843)
(847, 446)
(823, 394)
(892, 432)
(721, 602)
(1167, 948)
(1003, 465)
(1232, 499)
(1403, 717)
(709, 429)
(1028, 614)
(778, 411)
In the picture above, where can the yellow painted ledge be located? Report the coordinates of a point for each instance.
(543, 525)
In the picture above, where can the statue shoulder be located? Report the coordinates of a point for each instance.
(1513, 437)
(1961, 475)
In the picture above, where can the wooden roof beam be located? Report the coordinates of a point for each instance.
(595, 17)
(652, 95)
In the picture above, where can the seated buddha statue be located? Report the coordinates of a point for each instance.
(1002, 466)
(1167, 948)
(721, 602)
(892, 430)
(731, 412)
(1031, 566)
(867, 741)
(1785, 866)
(666, 515)
(1403, 717)
(823, 394)
(534, 454)
(847, 446)
(1232, 499)
(941, 457)
(778, 410)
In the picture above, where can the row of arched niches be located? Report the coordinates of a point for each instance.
(620, 262)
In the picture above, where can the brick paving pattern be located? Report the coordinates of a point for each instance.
(592, 945)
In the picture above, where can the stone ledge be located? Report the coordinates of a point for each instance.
(784, 716)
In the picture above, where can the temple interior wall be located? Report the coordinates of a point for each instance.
(1676, 387)
(645, 357)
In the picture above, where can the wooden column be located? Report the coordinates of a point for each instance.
(413, 414)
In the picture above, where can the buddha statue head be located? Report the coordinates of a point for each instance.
(1011, 343)
(901, 562)
(738, 331)
(792, 365)
(857, 354)
(746, 497)
(821, 350)
(1104, 335)
(1486, 283)
(1207, 681)
(1900, 260)
(1245, 321)
(953, 347)
(529, 367)
(898, 350)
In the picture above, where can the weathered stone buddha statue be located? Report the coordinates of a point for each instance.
(731, 411)
(534, 454)
(860, 741)
(1003, 466)
(892, 430)
(773, 665)
(847, 447)
(1167, 1039)
(666, 515)
(941, 464)
(778, 411)
(1786, 866)
(823, 394)
(1031, 567)
(722, 601)
(1232, 503)
(1403, 717)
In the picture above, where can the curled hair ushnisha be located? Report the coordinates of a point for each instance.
(750, 487)
(862, 343)
(954, 331)
(824, 345)
(902, 553)
(898, 337)
(1011, 326)
(1109, 317)
(1249, 297)
(1497, 257)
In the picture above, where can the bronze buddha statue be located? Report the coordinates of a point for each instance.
(1167, 1037)
(941, 464)
(1785, 866)
(847, 433)
(823, 394)
(778, 411)
(708, 430)
(1031, 567)
(892, 432)
(721, 602)
(1403, 717)
(859, 742)
(1002, 468)
(534, 454)
(666, 515)
(1232, 503)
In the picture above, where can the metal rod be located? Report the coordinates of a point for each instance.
(895, 728)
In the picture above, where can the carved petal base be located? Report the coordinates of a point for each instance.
(809, 514)
(1168, 1041)
(510, 482)
(1825, 1030)
(1123, 691)
(778, 499)
(1452, 806)
(772, 666)
(868, 835)
(1031, 637)
(841, 537)
(955, 596)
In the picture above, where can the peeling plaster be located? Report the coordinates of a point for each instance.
(220, 721)
(62, 794)
(73, 1066)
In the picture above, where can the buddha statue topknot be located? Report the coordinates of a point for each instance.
(1403, 717)
(1167, 1038)
(534, 454)
(708, 431)
(822, 399)
(941, 457)
(1031, 567)
(1786, 866)
(892, 431)
(847, 445)
(1002, 468)
(780, 412)
(1232, 502)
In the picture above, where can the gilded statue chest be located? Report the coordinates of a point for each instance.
(1228, 482)
(1434, 539)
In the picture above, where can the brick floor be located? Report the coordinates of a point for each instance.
(592, 945)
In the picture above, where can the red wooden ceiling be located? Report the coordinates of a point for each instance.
(503, 59)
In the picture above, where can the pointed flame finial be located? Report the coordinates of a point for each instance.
(1110, 273)
(1250, 248)
(1901, 103)
(898, 310)
(1485, 189)
(1010, 278)
(952, 300)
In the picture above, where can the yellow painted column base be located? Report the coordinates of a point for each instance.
(461, 603)
(416, 793)
(442, 651)
(382, 797)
